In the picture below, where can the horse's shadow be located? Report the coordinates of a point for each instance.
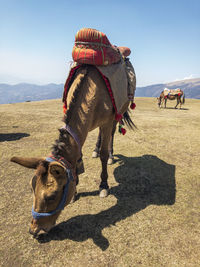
(175, 108)
(12, 136)
(142, 181)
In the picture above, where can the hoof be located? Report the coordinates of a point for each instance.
(110, 161)
(95, 154)
(103, 193)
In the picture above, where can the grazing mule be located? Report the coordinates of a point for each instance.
(171, 95)
(54, 183)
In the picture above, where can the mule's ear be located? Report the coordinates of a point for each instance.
(57, 170)
(27, 162)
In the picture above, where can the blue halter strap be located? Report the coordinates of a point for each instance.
(38, 215)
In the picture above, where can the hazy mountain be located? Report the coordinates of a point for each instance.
(31, 92)
(191, 88)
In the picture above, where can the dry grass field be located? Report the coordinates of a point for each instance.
(150, 218)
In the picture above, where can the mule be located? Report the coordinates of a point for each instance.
(54, 183)
(179, 96)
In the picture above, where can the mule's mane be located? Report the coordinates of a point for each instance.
(63, 140)
(81, 74)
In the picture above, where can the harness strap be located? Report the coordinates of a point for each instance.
(61, 160)
(74, 135)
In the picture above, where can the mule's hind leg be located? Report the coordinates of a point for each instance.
(75, 193)
(106, 131)
(180, 103)
(95, 153)
(165, 101)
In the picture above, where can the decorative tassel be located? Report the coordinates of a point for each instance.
(122, 130)
(64, 109)
(118, 117)
(133, 105)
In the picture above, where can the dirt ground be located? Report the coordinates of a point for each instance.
(151, 216)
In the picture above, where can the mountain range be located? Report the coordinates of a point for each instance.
(23, 92)
(191, 88)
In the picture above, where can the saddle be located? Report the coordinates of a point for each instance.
(172, 92)
(93, 47)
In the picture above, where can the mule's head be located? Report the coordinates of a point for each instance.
(48, 186)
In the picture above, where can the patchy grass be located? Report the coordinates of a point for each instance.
(150, 218)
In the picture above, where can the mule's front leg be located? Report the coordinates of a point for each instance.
(95, 153)
(177, 104)
(105, 139)
(110, 147)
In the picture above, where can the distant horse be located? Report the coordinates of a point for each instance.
(172, 94)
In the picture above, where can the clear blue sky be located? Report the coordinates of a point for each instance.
(37, 36)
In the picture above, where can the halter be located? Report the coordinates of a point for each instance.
(70, 175)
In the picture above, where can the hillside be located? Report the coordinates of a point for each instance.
(23, 92)
(151, 216)
(31, 92)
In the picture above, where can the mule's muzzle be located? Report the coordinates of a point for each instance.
(34, 233)
(34, 228)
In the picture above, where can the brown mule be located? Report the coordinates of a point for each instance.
(54, 183)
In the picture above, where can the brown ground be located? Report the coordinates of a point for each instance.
(150, 218)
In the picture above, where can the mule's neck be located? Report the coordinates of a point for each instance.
(71, 139)
(81, 102)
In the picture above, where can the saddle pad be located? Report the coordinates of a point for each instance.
(122, 83)
(172, 91)
(122, 80)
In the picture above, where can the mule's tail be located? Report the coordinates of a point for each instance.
(127, 120)
(183, 96)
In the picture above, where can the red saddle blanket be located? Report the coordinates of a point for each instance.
(93, 47)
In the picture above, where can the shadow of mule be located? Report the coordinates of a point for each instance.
(12, 136)
(142, 181)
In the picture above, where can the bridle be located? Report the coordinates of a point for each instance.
(70, 174)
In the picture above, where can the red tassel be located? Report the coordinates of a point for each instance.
(123, 131)
(133, 105)
(64, 109)
(118, 117)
